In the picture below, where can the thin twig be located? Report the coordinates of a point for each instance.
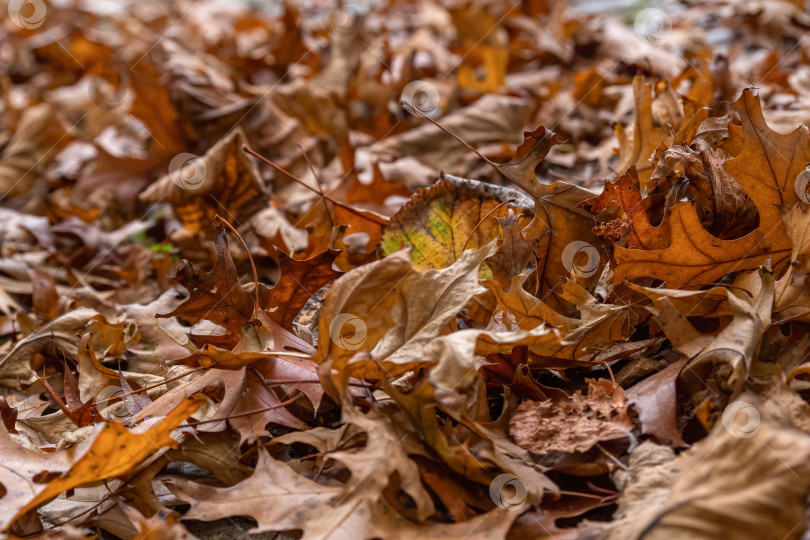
(248, 413)
(145, 388)
(369, 217)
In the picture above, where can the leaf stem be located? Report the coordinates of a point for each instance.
(483, 220)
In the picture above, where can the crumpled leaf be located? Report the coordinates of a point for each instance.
(761, 473)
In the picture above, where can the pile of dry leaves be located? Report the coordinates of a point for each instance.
(418, 269)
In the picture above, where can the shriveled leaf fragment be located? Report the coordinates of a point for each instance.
(575, 424)
(622, 198)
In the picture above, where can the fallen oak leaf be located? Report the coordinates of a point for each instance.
(766, 169)
(647, 136)
(60, 334)
(559, 224)
(298, 282)
(248, 404)
(114, 451)
(279, 499)
(217, 296)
